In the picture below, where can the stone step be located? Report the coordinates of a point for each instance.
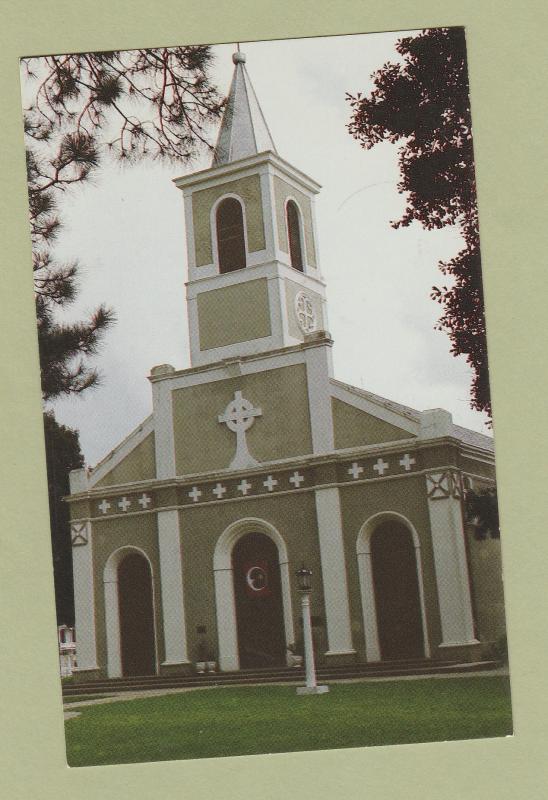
(260, 673)
(283, 675)
(284, 669)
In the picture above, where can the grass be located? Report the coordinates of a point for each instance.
(273, 719)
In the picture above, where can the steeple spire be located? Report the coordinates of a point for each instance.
(243, 131)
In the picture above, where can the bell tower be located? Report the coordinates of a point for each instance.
(254, 281)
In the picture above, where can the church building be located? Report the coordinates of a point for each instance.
(256, 460)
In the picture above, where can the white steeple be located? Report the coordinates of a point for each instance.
(243, 131)
(254, 282)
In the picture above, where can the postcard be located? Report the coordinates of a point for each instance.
(259, 308)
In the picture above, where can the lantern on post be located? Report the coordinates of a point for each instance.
(304, 585)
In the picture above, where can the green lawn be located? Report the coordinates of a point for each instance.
(267, 719)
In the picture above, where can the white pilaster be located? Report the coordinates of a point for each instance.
(84, 599)
(319, 371)
(435, 423)
(269, 214)
(278, 312)
(226, 620)
(163, 424)
(189, 226)
(372, 646)
(171, 574)
(444, 506)
(335, 589)
(112, 624)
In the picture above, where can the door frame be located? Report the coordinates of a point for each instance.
(367, 588)
(112, 610)
(225, 601)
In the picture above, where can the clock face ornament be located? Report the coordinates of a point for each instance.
(306, 316)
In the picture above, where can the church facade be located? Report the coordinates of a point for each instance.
(255, 460)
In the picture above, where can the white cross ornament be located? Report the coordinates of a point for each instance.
(355, 470)
(296, 479)
(144, 501)
(219, 491)
(244, 486)
(270, 483)
(406, 462)
(124, 504)
(239, 416)
(380, 466)
(195, 494)
(104, 506)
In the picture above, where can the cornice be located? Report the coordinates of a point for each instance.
(320, 339)
(307, 461)
(234, 167)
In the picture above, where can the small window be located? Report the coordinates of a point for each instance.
(230, 235)
(294, 236)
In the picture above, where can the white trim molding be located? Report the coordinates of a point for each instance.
(451, 565)
(171, 574)
(189, 230)
(367, 589)
(267, 198)
(304, 254)
(164, 439)
(319, 370)
(112, 609)
(248, 166)
(213, 229)
(335, 587)
(353, 397)
(113, 458)
(224, 587)
(84, 600)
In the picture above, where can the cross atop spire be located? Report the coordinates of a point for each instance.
(243, 131)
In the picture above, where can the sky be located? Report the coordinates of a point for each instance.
(127, 230)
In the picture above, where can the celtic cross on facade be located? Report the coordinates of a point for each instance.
(239, 416)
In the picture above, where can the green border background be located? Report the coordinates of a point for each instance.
(508, 73)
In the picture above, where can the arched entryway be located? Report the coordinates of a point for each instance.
(390, 573)
(236, 564)
(136, 616)
(129, 614)
(397, 596)
(259, 607)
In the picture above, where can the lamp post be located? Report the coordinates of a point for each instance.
(304, 584)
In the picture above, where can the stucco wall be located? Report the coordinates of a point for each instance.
(202, 443)
(354, 427)
(233, 314)
(139, 465)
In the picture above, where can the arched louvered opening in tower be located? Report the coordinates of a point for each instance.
(294, 235)
(230, 235)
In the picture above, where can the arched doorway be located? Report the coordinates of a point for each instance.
(259, 605)
(397, 592)
(136, 614)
